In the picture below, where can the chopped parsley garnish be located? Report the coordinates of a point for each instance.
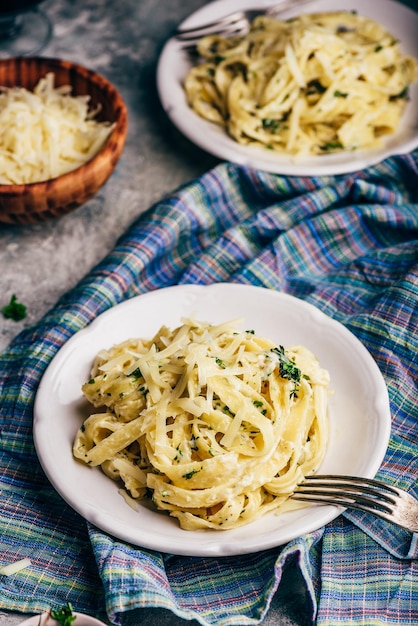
(65, 615)
(270, 124)
(402, 95)
(288, 369)
(340, 94)
(15, 310)
(136, 373)
(332, 145)
(315, 87)
(190, 474)
(179, 454)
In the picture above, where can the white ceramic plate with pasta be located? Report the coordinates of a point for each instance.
(175, 63)
(359, 414)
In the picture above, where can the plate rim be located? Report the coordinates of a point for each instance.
(83, 619)
(212, 547)
(213, 139)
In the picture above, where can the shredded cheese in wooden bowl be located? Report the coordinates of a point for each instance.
(46, 132)
(62, 131)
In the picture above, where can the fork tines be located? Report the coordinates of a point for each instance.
(348, 489)
(232, 24)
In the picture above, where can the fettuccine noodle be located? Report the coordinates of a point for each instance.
(216, 423)
(315, 84)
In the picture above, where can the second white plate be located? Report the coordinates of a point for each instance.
(359, 412)
(174, 63)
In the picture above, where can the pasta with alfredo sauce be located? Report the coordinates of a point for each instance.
(315, 84)
(215, 423)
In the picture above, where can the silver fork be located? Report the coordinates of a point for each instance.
(235, 24)
(386, 501)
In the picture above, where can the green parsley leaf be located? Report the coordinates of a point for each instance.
(14, 310)
(402, 95)
(315, 87)
(332, 145)
(270, 124)
(64, 615)
(190, 474)
(136, 373)
(287, 368)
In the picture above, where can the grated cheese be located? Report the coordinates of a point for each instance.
(46, 133)
(13, 568)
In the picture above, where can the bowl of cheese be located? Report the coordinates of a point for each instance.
(62, 131)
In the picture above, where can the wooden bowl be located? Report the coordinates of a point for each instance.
(36, 202)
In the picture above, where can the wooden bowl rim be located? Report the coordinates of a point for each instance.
(113, 145)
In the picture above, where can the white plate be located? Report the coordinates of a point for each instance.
(174, 64)
(359, 412)
(44, 619)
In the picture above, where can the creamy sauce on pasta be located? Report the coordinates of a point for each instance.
(217, 423)
(312, 85)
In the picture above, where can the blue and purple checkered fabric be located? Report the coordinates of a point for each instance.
(347, 244)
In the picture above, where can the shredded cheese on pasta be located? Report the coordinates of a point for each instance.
(46, 133)
(217, 423)
(314, 84)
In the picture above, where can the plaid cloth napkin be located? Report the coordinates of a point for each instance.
(347, 244)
